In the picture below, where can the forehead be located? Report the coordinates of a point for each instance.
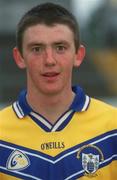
(42, 32)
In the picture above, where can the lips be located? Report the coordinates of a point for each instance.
(50, 74)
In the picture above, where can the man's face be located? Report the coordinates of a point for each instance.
(49, 56)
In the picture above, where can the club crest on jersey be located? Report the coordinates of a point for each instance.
(90, 163)
(91, 156)
(17, 161)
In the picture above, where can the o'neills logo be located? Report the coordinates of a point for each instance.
(52, 145)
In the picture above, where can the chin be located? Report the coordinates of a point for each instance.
(51, 91)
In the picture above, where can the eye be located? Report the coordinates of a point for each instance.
(38, 49)
(60, 48)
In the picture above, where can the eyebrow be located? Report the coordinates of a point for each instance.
(31, 44)
(34, 44)
(61, 42)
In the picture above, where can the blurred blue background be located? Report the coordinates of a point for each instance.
(98, 26)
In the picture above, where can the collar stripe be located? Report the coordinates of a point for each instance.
(18, 110)
(41, 119)
(86, 103)
(61, 120)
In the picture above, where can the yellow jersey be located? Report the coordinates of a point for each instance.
(82, 144)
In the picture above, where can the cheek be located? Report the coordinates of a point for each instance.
(68, 65)
(32, 70)
(33, 64)
(67, 72)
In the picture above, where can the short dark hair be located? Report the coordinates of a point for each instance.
(48, 14)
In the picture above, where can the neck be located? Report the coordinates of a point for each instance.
(51, 107)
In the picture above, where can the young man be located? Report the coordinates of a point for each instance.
(54, 131)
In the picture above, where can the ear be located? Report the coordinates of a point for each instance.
(18, 58)
(79, 56)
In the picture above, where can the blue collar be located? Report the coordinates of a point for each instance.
(80, 103)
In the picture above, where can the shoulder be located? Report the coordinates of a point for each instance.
(103, 112)
(5, 110)
(101, 106)
(6, 114)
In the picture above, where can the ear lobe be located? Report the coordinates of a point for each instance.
(18, 58)
(79, 56)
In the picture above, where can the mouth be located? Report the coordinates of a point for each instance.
(50, 74)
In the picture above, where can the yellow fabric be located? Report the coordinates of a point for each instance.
(98, 119)
(7, 177)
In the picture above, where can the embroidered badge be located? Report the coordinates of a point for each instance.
(91, 158)
(17, 161)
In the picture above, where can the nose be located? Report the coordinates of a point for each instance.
(49, 58)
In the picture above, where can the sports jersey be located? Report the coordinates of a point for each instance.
(82, 144)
